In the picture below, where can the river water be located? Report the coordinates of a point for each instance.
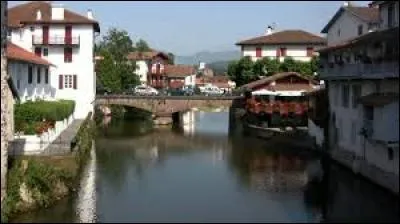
(198, 173)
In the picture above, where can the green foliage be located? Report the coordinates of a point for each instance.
(28, 115)
(171, 58)
(116, 73)
(244, 70)
(83, 140)
(142, 46)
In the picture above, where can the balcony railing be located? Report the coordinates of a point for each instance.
(56, 40)
(377, 70)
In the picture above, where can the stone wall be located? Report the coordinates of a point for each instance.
(5, 103)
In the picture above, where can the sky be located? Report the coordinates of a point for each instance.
(185, 28)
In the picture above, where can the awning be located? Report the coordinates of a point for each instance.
(379, 99)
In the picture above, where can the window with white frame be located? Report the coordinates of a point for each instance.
(68, 80)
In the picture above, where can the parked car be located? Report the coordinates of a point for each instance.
(212, 91)
(145, 91)
(188, 90)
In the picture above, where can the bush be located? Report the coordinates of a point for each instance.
(30, 115)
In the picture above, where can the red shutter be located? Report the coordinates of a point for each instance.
(67, 54)
(75, 83)
(45, 33)
(68, 35)
(38, 51)
(60, 82)
(258, 52)
(283, 52)
(310, 51)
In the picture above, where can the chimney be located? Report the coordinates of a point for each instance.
(57, 12)
(269, 30)
(89, 14)
(38, 15)
(346, 3)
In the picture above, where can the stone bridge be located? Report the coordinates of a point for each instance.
(166, 105)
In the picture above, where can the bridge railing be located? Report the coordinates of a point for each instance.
(195, 97)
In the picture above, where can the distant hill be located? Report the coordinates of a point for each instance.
(219, 67)
(208, 57)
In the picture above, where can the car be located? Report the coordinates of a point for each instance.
(188, 90)
(145, 91)
(212, 91)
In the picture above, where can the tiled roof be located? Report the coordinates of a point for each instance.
(286, 37)
(179, 70)
(15, 52)
(367, 14)
(146, 55)
(272, 78)
(26, 14)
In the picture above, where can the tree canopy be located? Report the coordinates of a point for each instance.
(115, 72)
(245, 70)
(142, 46)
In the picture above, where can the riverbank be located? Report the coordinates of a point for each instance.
(39, 181)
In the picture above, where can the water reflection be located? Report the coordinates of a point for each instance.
(205, 176)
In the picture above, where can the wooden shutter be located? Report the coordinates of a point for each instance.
(38, 51)
(258, 52)
(60, 82)
(75, 84)
(283, 52)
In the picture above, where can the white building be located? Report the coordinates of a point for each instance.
(66, 40)
(298, 44)
(30, 73)
(351, 21)
(362, 80)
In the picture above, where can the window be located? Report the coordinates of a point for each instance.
(32, 28)
(345, 96)
(336, 92)
(283, 52)
(21, 33)
(390, 153)
(258, 52)
(353, 132)
(310, 51)
(338, 32)
(68, 81)
(67, 55)
(356, 92)
(360, 30)
(45, 51)
(390, 15)
(30, 74)
(38, 75)
(38, 51)
(46, 76)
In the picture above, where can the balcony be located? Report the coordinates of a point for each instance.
(360, 70)
(56, 40)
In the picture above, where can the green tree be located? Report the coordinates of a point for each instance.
(171, 58)
(116, 73)
(288, 65)
(242, 71)
(142, 46)
(314, 64)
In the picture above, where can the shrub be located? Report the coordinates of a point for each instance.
(30, 115)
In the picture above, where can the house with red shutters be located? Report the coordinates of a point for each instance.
(62, 38)
(179, 76)
(298, 44)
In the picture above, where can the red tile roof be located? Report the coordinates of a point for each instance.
(26, 14)
(286, 37)
(179, 70)
(15, 52)
(367, 14)
(274, 77)
(147, 55)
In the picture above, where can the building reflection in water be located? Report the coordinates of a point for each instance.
(189, 122)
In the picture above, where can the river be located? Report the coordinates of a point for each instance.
(198, 173)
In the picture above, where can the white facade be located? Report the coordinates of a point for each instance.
(345, 28)
(190, 80)
(82, 65)
(142, 71)
(297, 52)
(34, 90)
